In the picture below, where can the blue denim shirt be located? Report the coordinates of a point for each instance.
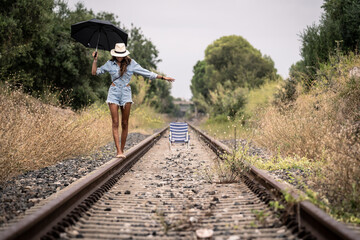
(114, 70)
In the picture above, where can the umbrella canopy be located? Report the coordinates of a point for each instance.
(98, 34)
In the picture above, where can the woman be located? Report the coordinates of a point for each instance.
(121, 67)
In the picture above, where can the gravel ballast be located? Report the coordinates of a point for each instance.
(24, 191)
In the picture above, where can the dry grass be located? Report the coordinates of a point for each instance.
(34, 134)
(302, 130)
(323, 125)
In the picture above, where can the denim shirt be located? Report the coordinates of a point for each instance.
(114, 70)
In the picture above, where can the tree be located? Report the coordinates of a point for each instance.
(232, 61)
(142, 49)
(344, 18)
(338, 30)
(231, 66)
(23, 26)
(199, 87)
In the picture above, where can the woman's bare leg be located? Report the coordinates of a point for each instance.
(114, 111)
(125, 113)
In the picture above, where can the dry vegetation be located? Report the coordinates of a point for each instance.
(34, 134)
(323, 126)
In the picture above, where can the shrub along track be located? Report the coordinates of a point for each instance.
(166, 195)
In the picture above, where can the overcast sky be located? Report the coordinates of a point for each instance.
(182, 29)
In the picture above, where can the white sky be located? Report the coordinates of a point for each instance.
(182, 29)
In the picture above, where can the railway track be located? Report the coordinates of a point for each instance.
(168, 194)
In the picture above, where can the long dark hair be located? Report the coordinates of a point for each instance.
(123, 64)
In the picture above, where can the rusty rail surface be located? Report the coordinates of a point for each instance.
(66, 208)
(312, 219)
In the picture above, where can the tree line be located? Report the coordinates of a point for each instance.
(38, 53)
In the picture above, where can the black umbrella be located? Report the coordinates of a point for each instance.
(98, 34)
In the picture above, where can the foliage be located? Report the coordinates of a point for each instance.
(227, 101)
(344, 17)
(18, 44)
(158, 96)
(338, 29)
(199, 86)
(231, 66)
(222, 126)
(259, 98)
(15, 40)
(232, 61)
(142, 49)
(37, 51)
(225, 128)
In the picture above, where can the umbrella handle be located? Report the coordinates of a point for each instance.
(97, 44)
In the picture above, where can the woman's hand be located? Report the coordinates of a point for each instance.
(169, 79)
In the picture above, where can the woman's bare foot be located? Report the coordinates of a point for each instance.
(120, 155)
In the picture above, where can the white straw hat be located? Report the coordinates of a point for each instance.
(120, 50)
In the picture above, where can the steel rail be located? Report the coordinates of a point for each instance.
(312, 218)
(70, 203)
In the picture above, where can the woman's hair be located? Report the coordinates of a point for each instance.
(123, 64)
